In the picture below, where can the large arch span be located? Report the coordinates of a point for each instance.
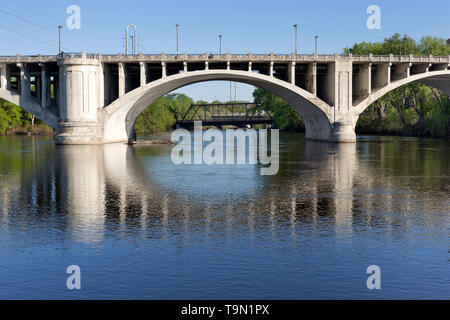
(436, 79)
(121, 115)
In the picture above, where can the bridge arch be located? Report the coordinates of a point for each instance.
(30, 106)
(437, 79)
(120, 116)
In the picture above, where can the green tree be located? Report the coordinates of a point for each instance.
(413, 108)
(10, 116)
(163, 114)
(284, 116)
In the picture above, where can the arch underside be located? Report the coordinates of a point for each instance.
(31, 106)
(126, 109)
(436, 79)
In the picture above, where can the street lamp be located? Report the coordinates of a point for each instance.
(220, 44)
(316, 37)
(406, 45)
(296, 38)
(177, 26)
(59, 37)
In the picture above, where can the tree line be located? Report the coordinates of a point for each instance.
(413, 109)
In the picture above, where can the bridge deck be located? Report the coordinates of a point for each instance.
(113, 58)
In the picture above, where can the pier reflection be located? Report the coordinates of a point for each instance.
(93, 190)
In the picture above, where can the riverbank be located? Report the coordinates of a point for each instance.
(29, 130)
(371, 125)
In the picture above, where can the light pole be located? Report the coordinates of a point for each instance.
(406, 45)
(296, 38)
(220, 44)
(316, 37)
(177, 26)
(132, 50)
(59, 37)
(133, 39)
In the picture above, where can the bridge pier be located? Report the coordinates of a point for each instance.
(343, 132)
(3, 82)
(79, 122)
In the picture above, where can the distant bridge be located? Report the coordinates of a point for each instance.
(226, 114)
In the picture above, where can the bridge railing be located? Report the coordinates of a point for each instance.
(271, 57)
(402, 58)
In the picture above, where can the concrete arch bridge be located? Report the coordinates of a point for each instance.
(95, 99)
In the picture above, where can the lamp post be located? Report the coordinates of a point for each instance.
(133, 39)
(316, 37)
(220, 44)
(59, 37)
(177, 26)
(296, 38)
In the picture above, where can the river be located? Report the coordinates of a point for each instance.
(140, 227)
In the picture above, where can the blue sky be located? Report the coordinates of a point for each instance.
(247, 26)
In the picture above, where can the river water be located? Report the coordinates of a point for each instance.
(140, 227)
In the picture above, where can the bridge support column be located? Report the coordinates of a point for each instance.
(25, 89)
(363, 84)
(121, 71)
(43, 86)
(292, 72)
(143, 73)
(164, 71)
(343, 120)
(3, 82)
(402, 71)
(79, 123)
(311, 78)
(343, 131)
(383, 75)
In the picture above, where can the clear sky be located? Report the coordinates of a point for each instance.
(247, 26)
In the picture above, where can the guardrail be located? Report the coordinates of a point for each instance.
(271, 57)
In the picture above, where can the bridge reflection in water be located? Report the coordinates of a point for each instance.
(92, 189)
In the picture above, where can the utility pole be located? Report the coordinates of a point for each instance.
(316, 37)
(231, 90)
(59, 37)
(220, 44)
(296, 38)
(177, 26)
(406, 44)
